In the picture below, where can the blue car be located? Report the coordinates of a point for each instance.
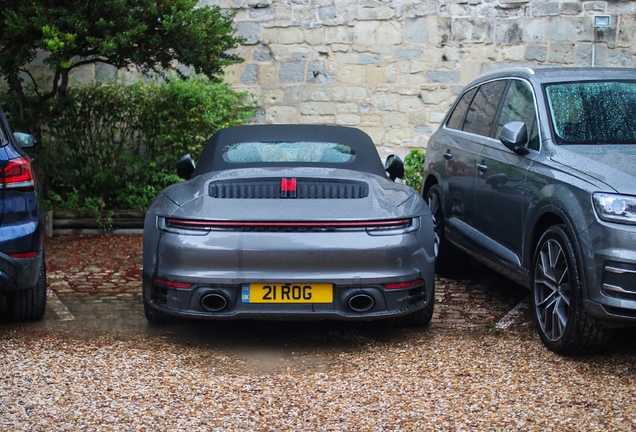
(22, 263)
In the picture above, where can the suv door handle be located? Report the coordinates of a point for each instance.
(448, 155)
(482, 166)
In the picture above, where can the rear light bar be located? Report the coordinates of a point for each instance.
(404, 285)
(198, 224)
(23, 255)
(17, 174)
(171, 284)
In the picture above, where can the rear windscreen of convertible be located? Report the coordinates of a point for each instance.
(288, 152)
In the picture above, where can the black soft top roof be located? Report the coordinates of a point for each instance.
(367, 158)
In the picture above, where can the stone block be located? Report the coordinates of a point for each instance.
(393, 119)
(434, 97)
(370, 33)
(407, 54)
(339, 35)
(570, 8)
(250, 30)
(470, 70)
(366, 59)
(282, 114)
(619, 58)
(416, 30)
(538, 53)
(316, 119)
(317, 74)
(348, 119)
(327, 13)
(568, 29)
(262, 54)
(285, 36)
(389, 74)
(399, 136)
(473, 30)
(82, 75)
(418, 118)
(385, 102)
(338, 93)
(436, 117)
(321, 93)
(351, 74)
(296, 94)
(291, 72)
(273, 97)
(627, 33)
(366, 108)
(314, 36)
(347, 107)
(443, 76)
(513, 52)
(423, 129)
(347, 58)
(267, 75)
(250, 74)
(412, 79)
(376, 13)
(316, 108)
(264, 14)
(355, 93)
(562, 53)
(439, 30)
(545, 9)
(410, 105)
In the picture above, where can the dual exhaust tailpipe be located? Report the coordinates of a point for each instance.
(213, 302)
(361, 302)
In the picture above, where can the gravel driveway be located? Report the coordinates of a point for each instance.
(108, 370)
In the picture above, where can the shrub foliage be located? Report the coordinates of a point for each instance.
(116, 146)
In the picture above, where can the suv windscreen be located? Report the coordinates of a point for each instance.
(593, 112)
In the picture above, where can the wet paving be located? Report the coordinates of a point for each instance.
(95, 292)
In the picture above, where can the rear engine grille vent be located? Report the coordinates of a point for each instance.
(303, 188)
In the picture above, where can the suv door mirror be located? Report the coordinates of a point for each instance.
(185, 167)
(24, 140)
(394, 167)
(514, 136)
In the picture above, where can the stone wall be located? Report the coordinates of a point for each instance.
(392, 68)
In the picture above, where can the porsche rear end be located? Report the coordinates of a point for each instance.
(324, 244)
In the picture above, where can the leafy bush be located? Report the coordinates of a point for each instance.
(118, 145)
(414, 167)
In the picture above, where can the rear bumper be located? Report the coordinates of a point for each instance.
(19, 273)
(350, 303)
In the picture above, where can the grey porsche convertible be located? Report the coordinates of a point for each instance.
(289, 222)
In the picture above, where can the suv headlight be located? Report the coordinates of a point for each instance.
(615, 208)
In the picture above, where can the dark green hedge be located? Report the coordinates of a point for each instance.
(116, 146)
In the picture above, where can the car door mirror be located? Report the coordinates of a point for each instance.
(185, 167)
(394, 167)
(514, 136)
(24, 140)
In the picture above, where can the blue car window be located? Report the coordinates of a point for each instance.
(288, 152)
(593, 112)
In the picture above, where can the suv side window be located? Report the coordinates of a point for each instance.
(456, 119)
(483, 110)
(519, 106)
(3, 136)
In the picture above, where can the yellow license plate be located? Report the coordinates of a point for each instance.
(287, 293)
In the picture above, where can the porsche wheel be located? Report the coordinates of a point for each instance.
(449, 260)
(563, 324)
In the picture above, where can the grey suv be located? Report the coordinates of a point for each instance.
(533, 172)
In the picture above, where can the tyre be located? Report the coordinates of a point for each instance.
(562, 322)
(422, 317)
(29, 304)
(157, 317)
(449, 261)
